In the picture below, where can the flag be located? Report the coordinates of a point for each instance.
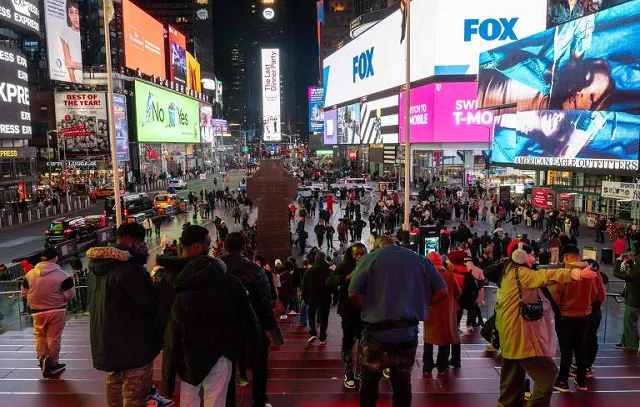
(108, 8)
(403, 27)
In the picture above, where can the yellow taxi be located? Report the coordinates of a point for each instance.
(162, 201)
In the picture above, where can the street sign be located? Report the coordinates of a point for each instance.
(203, 176)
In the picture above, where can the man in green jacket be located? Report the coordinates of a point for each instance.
(627, 268)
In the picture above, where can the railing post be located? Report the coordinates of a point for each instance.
(19, 217)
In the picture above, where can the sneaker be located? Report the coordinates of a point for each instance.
(443, 371)
(349, 381)
(620, 346)
(562, 387)
(323, 341)
(527, 389)
(292, 312)
(590, 372)
(581, 384)
(283, 317)
(156, 399)
(427, 369)
(386, 373)
(491, 348)
(59, 367)
(312, 339)
(45, 366)
(242, 382)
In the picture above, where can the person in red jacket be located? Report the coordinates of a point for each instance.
(619, 246)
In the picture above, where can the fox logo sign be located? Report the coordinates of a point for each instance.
(491, 29)
(363, 65)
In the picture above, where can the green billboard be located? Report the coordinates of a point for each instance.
(163, 116)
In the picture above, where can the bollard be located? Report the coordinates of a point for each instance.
(29, 216)
(55, 211)
(0, 222)
(46, 211)
(10, 219)
(19, 217)
(38, 214)
(87, 202)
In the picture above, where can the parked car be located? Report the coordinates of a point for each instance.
(163, 200)
(177, 183)
(76, 227)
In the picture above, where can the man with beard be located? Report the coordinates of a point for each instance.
(350, 314)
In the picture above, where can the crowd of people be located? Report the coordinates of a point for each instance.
(213, 311)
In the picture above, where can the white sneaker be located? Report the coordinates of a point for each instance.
(283, 317)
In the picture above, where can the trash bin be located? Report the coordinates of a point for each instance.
(606, 256)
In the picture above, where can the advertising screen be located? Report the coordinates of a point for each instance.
(316, 109)
(330, 127)
(64, 51)
(379, 121)
(219, 92)
(560, 11)
(271, 95)
(193, 73)
(206, 126)
(348, 122)
(81, 120)
(579, 65)
(620, 190)
(220, 128)
(143, 41)
(121, 126)
(15, 120)
(23, 15)
(178, 56)
(446, 113)
(571, 139)
(447, 36)
(163, 116)
(543, 198)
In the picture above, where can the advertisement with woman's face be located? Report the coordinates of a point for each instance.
(580, 65)
(572, 139)
(561, 11)
(64, 48)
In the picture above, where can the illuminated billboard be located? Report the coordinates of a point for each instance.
(379, 121)
(271, 94)
(193, 73)
(568, 138)
(64, 50)
(163, 116)
(23, 15)
(561, 11)
(178, 56)
(316, 107)
(143, 41)
(584, 64)
(446, 113)
(81, 120)
(15, 121)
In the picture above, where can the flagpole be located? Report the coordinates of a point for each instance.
(106, 11)
(407, 123)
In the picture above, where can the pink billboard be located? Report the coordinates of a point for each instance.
(446, 113)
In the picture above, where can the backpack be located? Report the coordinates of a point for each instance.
(470, 291)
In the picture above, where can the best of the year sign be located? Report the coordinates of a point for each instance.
(620, 190)
(15, 116)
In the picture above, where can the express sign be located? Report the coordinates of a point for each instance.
(23, 15)
(15, 120)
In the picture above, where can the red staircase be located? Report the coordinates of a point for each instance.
(303, 375)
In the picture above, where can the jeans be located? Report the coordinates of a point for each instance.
(442, 361)
(592, 334)
(258, 380)
(351, 331)
(129, 388)
(541, 370)
(303, 321)
(630, 331)
(47, 328)
(374, 357)
(214, 387)
(572, 336)
(323, 315)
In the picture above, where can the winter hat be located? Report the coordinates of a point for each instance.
(436, 260)
(521, 254)
(457, 257)
(278, 263)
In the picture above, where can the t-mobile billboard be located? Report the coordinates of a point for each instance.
(446, 113)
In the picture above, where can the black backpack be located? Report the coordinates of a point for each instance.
(470, 291)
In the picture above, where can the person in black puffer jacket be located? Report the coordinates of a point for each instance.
(210, 319)
(351, 322)
(255, 281)
(124, 328)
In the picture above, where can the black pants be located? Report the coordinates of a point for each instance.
(324, 320)
(572, 337)
(258, 379)
(157, 227)
(351, 331)
(474, 316)
(442, 361)
(148, 232)
(542, 370)
(592, 335)
(374, 357)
